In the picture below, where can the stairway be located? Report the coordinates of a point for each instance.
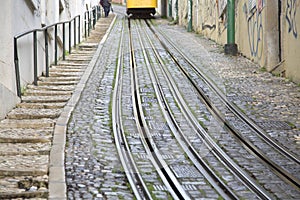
(26, 133)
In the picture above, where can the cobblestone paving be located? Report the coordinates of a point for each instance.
(92, 166)
(272, 102)
(93, 170)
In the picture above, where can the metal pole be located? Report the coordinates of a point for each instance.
(176, 10)
(17, 71)
(46, 53)
(74, 27)
(64, 41)
(231, 22)
(35, 58)
(55, 44)
(85, 34)
(79, 29)
(231, 47)
(170, 8)
(70, 38)
(190, 13)
(89, 22)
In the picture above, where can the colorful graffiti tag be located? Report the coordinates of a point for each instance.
(291, 10)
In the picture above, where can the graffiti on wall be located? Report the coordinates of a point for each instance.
(254, 19)
(291, 9)
(222, 5)
(210, 15)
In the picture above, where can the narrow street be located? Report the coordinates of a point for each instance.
(145, 110)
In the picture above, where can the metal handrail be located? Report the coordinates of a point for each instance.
(91, 15)
(45, 30)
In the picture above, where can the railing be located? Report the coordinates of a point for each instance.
(89, 16)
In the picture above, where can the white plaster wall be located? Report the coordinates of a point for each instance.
(18, 16)
(8, 96)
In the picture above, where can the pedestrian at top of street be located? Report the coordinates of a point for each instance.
(106, 4)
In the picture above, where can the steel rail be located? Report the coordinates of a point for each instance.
(175, 189)
(136, 181)
(218, 152)
(235, 109)
(192, 153)
(289, 178)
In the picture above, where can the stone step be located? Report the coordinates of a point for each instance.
(20, 165)
(75, 61)
(24, 195)
(68, 74)
(48, 83)
(78, 59)
(68, 66)
(91, 50)
(25, 149)
(58, 79)
(88, 45)
(24, 187)
(26, 135)
(37, 92)
(68, 63)
(52, 88)
(45, 99)
(83, 54)
(41, 106)
(25, 113)
(67, 70)
(26, 123)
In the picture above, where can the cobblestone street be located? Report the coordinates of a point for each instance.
(69, 145)
(270, 101)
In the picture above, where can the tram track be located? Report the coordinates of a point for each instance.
(133, 142)
(136, 181)
(154, 128)
(288, 177)
(251, 183)
(198, 162)
(161, 166)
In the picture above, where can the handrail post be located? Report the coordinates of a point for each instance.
(35, 57)
(79, 29)
(89, 23)
(74, 27)
(46, 53)
(17, 71)
(55, 44)
(64, 56)
(70, 38)
(85, 25)
(46, 46)
(94, 17)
